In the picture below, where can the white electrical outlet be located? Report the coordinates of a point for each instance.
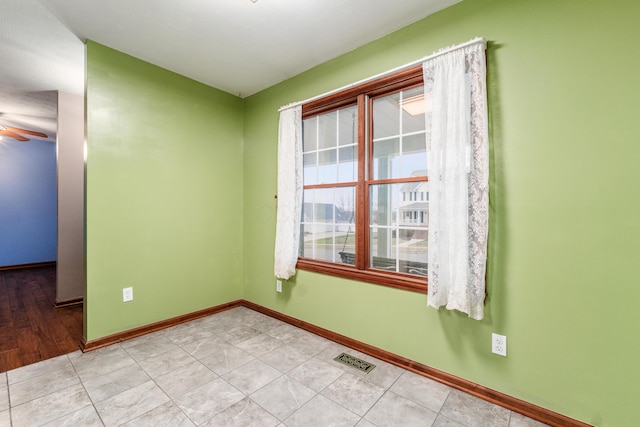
(278, 285)
(499, 344)
(127, 294)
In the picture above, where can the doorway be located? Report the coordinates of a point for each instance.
(43, 184)
(32, 329)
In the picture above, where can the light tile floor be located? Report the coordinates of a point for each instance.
(235, 368)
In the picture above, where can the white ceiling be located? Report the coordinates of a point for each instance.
(238, 46)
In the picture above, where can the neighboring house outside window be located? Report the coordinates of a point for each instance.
(414, 208)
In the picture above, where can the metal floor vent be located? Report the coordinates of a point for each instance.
(353, 361)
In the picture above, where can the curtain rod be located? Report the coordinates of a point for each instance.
(385, 73)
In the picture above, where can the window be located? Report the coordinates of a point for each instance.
(455, 181)
(365, 198)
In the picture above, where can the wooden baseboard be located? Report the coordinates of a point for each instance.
(32, 265)
(525, 408)
(69, 302)
(153, 327)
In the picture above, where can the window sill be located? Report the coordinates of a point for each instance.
(378, 277)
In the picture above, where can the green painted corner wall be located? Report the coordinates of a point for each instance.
(181, 178)
(562, 286)
(163, 193)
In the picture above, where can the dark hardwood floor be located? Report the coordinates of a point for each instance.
(31, 328)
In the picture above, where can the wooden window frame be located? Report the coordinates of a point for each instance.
(362, 95)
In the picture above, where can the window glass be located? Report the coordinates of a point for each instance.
(385, 153)
(386, 113)
(328, 223)
(330, 147)
(327, 130)
(310, 134)
(348, 164)
(348, 126)
(413, 110)
(365, 202)
(327, 166)
(310, 162)
(399, 139)
(398, 228)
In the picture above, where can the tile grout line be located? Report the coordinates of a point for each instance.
(319, 393)
(171, 399)
(440, 410)
(137, 363)
(86, 391)
(6, 380)
(387, 390)
(282, 374)
(50, 393)
(320, 356)
(218, 376)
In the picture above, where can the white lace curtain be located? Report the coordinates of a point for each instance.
(289, 192)
(458, 155)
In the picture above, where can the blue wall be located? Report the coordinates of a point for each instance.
(28, 202)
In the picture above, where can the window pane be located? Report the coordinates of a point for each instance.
(310, 168)
(394, 158)
(348, 164)
(327, 158)
(307, 232)
(398, 227)
(328, 170)
(327, 130)
(399, 138)
(413, 108)
(310, 134)
(385, 152)
(348, 126)
(328, 224)
(386, 113)
(414, 156)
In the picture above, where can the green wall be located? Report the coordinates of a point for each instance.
(563, 92)
(163, 185)
(181, 179)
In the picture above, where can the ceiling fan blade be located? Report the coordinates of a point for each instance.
(13, 135)
(28, 132)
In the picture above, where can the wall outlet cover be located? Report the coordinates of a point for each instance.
(127, 294)
(499, 344)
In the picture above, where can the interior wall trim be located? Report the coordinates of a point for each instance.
(31, 265)
(69, 302)
(530, 410)
(153, 327)
(501, 399)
